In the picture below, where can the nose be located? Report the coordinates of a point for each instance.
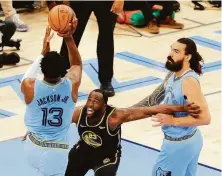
(90, 104)
(171, 53)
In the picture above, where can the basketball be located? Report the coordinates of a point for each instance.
(59, 18)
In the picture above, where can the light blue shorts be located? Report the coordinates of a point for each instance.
(45, 161)
(179, 158)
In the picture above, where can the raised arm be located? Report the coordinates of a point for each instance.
(75, 71)
(27, 82)
(50, 4)
(75, 117)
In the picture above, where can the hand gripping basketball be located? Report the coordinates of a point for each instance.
(71, 29)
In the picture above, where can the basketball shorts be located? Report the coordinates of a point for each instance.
(179, 157)
(80, 162)
(46, 161)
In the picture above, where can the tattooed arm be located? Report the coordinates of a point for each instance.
(156, 97)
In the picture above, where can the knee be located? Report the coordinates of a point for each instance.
(10, 27)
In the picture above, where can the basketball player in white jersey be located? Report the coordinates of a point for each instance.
(49, 106)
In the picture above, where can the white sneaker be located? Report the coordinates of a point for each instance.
(20, 25)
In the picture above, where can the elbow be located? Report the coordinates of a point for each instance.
(208, 120)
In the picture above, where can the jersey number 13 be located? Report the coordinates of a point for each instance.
(56, 114)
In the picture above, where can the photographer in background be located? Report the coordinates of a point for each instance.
(7, 30)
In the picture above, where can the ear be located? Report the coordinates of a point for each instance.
(188, 57)
(105, 105)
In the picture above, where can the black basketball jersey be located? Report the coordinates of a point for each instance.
(98, 140)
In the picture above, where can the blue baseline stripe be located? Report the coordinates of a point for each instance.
(207, 42)
(80, 94)
(11, 78)
(94, 65)
(93, 75)
(218, 32)
(141, 145)
(131, 85)
(138, 85)
(212, 66)
(140, 60)
(4, 113)
(92, 71)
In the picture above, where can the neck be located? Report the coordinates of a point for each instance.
(52, 80)
(98, 115)
(182, 71)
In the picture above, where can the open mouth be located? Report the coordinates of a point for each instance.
(90, 111)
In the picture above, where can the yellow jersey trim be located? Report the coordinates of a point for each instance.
(108, 163)
(107, 124)
(96, 124)
(80, 115)
(46, 142)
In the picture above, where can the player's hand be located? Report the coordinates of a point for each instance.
(46, 41)
(192, 109)
(117, 7)
(71, 29)
(162, 119)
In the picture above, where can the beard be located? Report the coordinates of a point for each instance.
(173, 66)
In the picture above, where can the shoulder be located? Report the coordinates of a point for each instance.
(77, 113)
(190, 85)
(118, 112)
(79, 109)
(27, 83)
(110, 110)
(190, 81)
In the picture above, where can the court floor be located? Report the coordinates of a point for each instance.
(138, 69)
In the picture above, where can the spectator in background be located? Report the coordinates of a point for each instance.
(11, 15)
(7, 30)
(153, 23)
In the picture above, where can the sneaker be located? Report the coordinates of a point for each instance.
(13, 43)
(9, 59)
(108, 89)
(169, 22)
(20, 25)
(152, 27)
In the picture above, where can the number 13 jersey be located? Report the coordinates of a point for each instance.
(49, 115)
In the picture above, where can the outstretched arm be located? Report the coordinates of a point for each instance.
(130, 114)
(156, 97)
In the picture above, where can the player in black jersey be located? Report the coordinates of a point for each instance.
(99, 128)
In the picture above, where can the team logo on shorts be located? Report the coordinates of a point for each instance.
(161, 172)
(92, 139)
